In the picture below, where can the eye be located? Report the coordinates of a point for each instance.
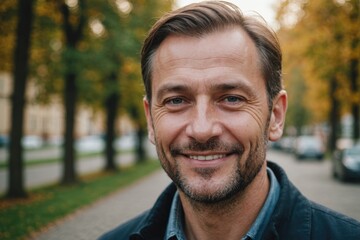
(233, 99)
(175, 101)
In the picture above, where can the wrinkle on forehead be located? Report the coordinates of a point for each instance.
(197, 63)
(207, 50)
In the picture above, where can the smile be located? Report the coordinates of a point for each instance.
(208, 157)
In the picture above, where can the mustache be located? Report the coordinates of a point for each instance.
(213, 144)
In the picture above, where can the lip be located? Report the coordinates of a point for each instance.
(206, 160)
(209, 157)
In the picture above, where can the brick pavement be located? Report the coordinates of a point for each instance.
(90, 222)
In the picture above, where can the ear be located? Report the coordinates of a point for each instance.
(277, 118)
(150, 125)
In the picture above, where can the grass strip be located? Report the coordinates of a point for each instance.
(19, 218)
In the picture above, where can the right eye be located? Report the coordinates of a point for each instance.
(175, 101)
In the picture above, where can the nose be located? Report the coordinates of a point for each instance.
(204, 123)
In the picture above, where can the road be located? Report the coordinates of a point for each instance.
(51, 152)
(41, 175)
(314, 180)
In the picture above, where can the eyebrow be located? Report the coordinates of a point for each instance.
(171, 87)
(221, 87)
(235, 85)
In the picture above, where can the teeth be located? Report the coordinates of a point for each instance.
(207, 158)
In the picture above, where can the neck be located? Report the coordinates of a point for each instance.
(230, 219)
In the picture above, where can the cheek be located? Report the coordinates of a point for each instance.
(246, 127)
(256, 116)
(167, 127)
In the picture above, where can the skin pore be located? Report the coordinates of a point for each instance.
(210, 121)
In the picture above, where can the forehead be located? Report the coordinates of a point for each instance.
(231, 43)
(226, 53)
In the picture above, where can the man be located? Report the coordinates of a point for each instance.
(214, 98)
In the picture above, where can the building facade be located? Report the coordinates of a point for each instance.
(47, 121)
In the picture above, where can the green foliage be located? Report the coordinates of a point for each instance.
(8, 11)
(49, 204)
(112, 39)
(318, 47)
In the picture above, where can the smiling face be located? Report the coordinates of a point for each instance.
(209, 116)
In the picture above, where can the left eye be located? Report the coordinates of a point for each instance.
(232, 99)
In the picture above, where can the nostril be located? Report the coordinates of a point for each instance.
(202, 131)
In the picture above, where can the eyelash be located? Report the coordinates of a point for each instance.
(171, 101)
(238, 99)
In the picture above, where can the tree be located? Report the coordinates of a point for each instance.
(8, 21)
(120, 43)
(142, 18)
(74, 21)
(354, 63)
(111, 108)
(20, 73)
(298, 115)
(327, 36)
(133, 104)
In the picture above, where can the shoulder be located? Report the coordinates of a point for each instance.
(151, 223)
(297, 217)
(125, 230)
(329, 224)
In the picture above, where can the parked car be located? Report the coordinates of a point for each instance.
(126, 142)
(309, 147)
(4, 141)
(92, 143)
(287, 143)
(32, 142)
(346, 163)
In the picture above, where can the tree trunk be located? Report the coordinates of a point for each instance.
(355, 108)
(111, 105)
(354, 69)
(334, 116)
(70, 92)
(73, 34)
(140, 148)
(21, 59)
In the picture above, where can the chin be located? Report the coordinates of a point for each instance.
(208, 189)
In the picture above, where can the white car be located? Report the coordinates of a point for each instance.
(309, 147)
(91, 143)
(32, 142)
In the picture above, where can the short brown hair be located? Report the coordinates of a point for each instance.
(205, 17)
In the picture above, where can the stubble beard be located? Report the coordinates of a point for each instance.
(237, 182)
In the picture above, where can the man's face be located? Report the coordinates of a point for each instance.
(209, 116)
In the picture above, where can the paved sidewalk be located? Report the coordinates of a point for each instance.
(92, 221)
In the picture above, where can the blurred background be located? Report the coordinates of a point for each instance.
(71, 89)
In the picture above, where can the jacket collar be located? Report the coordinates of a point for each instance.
(291, 218)
(154, 225)
(292, 214)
